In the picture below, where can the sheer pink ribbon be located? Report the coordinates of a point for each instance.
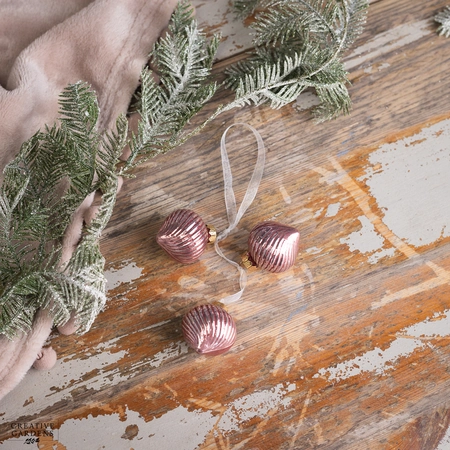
(234, 215)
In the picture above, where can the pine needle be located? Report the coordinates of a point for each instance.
(443, 17)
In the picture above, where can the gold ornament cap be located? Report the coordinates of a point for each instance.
(212, 232)
(246, 261)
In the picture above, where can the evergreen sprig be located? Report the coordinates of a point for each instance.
(443, 18)
(177, 87)
(55, 170)
(298, 45)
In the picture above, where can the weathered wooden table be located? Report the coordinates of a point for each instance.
(350, 348)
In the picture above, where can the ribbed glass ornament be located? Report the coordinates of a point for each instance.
(209, 329)
(183, 235)
(273, 246)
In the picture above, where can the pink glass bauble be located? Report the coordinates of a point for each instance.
(209, 329)
(183, 236)
(273, 246)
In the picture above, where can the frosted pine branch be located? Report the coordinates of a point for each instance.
(443, 18)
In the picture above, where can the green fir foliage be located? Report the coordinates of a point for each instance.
(181, 63)
(54, 172)
(298, 45)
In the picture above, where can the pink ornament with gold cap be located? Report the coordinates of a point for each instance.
(272, 246)
(184, 235)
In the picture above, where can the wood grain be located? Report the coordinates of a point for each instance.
(349, 349)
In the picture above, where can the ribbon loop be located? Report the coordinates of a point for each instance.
(234, 215)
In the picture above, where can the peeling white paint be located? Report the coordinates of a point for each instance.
(366, 239)
(379, 361)
(306, 100)
(377, 67)
(174, 350)
(257, 404)
(387, 42)
(318, 213)
(49, 387)
(375, 257)
(405, 176)
(125, 274)
(437, 326)
(376, 360)
(236, 37)
(181, 428)
(313, 250)
(333, 209)
(444, 443)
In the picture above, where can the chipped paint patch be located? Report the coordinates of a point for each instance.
(366, 239)
(437, 326)
(257, 404)
(405, 175)
(174, 350)
(305, 100)
(93, 372)
(375, 361)
(313, 250)
(181, 428)
(377, 68)
(379, 361)
(444, 443)
(128, 272)
(49, 387)
(318, 213)
(177, 429)
(382, 253)
(236, 37)
(333, 209)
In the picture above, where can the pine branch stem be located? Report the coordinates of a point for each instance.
(341, 43)
(307, 5)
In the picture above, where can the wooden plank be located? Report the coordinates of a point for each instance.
(348, 349)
